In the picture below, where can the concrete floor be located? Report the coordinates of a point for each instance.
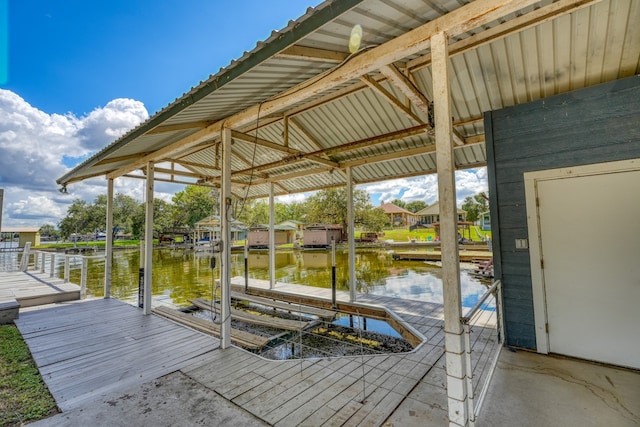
(530, 389)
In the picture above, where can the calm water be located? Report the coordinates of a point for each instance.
(179, 275)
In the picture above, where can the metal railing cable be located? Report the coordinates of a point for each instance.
(482, 327)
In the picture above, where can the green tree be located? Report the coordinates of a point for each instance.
(76, 220)
(193, 204)
(124, 212)
(399, 203)
(254, 212)
(330, 206)
(50, 231)
(287, 211)
(415, 206)
(475, 205)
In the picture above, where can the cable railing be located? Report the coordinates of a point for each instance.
(483, 337)
(46, 261)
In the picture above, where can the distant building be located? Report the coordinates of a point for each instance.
(485, 221)
(398, 217)
(299, 226)
(258, 236)
(431, 214)
(25, 234)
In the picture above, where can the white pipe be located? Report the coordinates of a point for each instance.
(148, 240)
(351, 237)
(109, 242)
(225, 238)
(272, 239)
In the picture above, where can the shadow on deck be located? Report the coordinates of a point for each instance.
(94, 350)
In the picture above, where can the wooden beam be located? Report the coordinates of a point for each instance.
(305, 133)
(313, 54)
(377, 87)
(180, 173)
(456, 22)
(406, 86)
(186, 163)
(400, 155)
(177, 127)
(109, 160)
(294, 155)
(520, 23)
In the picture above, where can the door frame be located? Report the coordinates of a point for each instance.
(531, 180)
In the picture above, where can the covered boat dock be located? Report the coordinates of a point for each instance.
(303, 112)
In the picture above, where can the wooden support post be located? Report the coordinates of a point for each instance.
(272, 238)
(225, 237)
(351, 236)
(43, 261)
(109, 243)
(148, 240)
(454, 339)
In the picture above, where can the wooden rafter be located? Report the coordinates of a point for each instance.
(456, 22)
(418, 99)
(520, 23)
(292, 152)
(377, 87)
(313, 54)
(177, 127)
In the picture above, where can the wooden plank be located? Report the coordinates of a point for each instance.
(320, 312)
(238, 337)
(274, 322)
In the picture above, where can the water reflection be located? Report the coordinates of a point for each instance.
(179, 276)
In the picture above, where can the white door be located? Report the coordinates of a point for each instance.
(590, 249)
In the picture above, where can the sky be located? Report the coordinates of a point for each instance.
(76, 75)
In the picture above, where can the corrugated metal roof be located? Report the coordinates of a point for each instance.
(370, 125)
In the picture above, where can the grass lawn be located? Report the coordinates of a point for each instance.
(423, 234)
(23, 395)
(100, 244)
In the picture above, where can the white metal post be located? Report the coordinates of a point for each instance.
(66, 268)
(272, 238)
(52, 265)
(351, 236)
(109, 243)
(148, 240)
(84, 271)
(225, 237)
(454, 339)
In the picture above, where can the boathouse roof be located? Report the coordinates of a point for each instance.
(303, 108)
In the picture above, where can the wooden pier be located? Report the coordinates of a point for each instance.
(87, 350)
(34, 288)
(435, 255)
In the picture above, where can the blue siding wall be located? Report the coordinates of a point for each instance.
(593, 125)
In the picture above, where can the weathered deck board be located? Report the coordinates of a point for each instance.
(237, 337)
(123, 359)
(274, 322)
(35, 288)
(320, 312)
(95, 348)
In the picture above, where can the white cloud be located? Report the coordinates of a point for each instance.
(425, 188)
(36, 148)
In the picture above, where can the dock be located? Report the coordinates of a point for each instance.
(241, 338)
(436, 255)
(31, 288)
(91, 349)
(274, 322)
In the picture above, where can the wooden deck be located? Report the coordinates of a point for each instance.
(88, 349)
(85, 350)
(34, 288)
